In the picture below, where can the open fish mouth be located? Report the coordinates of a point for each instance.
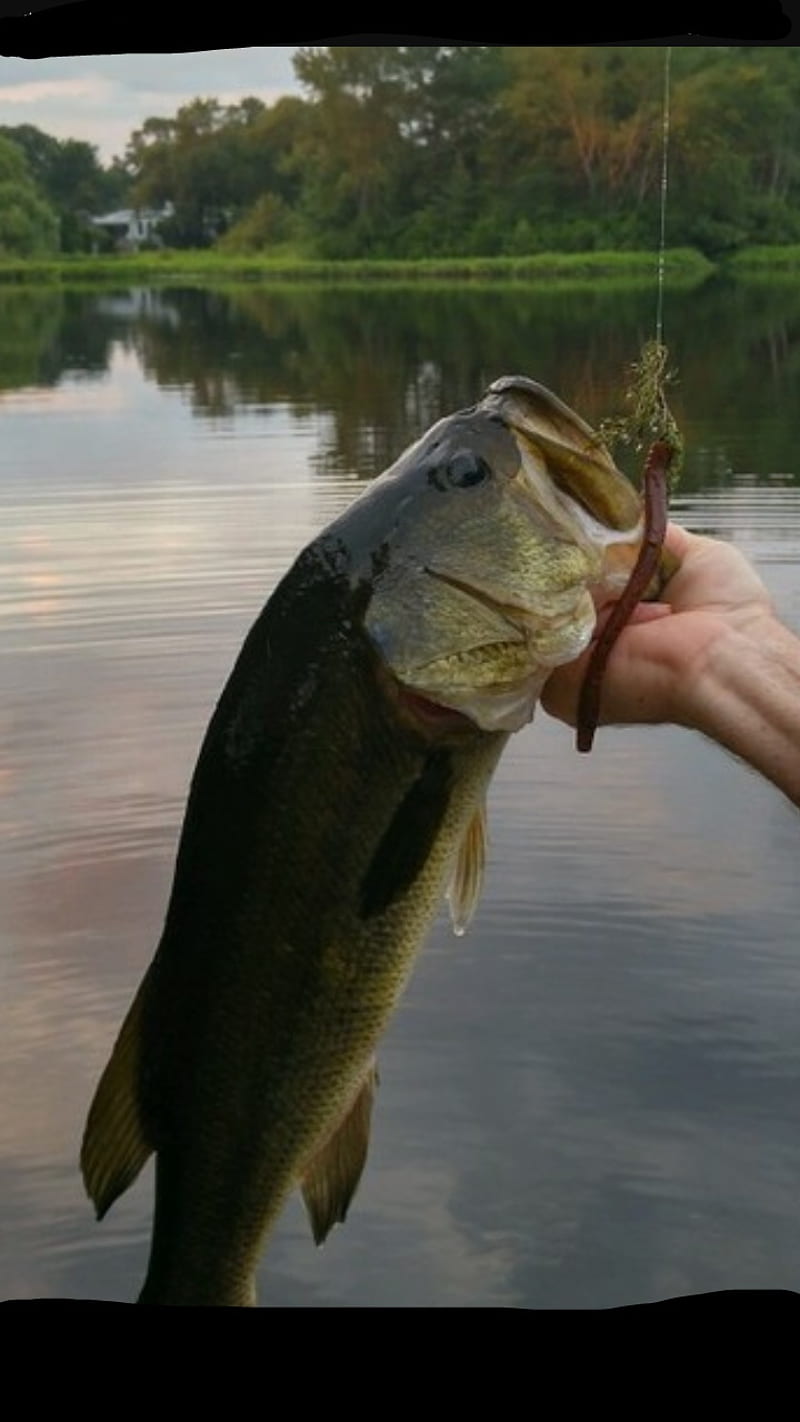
(567, 457)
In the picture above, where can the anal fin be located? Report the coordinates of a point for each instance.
(114, 1147)
(332, 1177)
(466, 882)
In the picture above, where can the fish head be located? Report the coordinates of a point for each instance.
(486, 550)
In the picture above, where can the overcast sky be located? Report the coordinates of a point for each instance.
(102, 98)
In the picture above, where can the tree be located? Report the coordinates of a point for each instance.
(71, 178)
(176, 160)
(735, 149)
(591, 112)
(28, 225)
(391, 125)
(213, 162)
(353, 152)
(268, 223)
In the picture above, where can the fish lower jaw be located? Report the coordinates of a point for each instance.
(502, 708)
(501, 705)
(430, 714)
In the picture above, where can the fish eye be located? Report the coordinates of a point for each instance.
(466, 469)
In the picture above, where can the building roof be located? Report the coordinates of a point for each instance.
(126, 215)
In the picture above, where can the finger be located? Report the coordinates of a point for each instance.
(642, 612)
(633, 683)
(679, 540)
(561, 691)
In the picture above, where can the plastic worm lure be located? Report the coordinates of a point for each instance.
(655, 528)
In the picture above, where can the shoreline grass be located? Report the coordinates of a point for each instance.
(763, 261)
(683, 264)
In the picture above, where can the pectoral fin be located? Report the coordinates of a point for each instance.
(330, 1181)
(466, 883)
(114, 1146)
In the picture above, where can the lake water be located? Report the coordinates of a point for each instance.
(594, 1097)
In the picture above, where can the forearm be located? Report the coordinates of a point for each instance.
(747, 698)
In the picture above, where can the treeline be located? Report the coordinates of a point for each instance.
(48, 189)
(419, 151)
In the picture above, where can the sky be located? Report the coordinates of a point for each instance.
(102, 98)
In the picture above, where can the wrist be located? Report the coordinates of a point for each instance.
(744, 693)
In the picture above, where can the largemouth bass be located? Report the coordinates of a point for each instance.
(339, 791)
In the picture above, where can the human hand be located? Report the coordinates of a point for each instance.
(657, 668)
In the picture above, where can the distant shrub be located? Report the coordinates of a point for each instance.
(267, 224)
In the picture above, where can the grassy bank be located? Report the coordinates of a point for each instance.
(682, 264)
(764, 261)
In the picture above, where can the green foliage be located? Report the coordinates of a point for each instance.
(267, 225)
(213, 162)
(69, 176)
(426, 151)
(13, 168)
(28, 225)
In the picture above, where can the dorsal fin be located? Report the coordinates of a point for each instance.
(114, 1145)
(466, 882)
(332, 1177)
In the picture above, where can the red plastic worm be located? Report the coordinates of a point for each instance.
(655, 528)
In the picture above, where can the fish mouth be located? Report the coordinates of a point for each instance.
(433, 718)
(577, 461)
(496, 684)
(510, 613)
(421, 710)
(522, 621)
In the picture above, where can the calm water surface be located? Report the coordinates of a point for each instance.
(594, 1097)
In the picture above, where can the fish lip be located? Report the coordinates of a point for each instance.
(578, 463)
(420, 711)
(506, 385)
(572, 513)
(429, 716)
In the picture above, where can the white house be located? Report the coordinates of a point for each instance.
(132, 226)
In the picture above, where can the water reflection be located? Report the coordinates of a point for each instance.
(591, 1099)
(384, 364)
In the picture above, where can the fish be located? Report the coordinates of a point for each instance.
(338, 798)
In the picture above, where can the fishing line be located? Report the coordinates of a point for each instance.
(665, 134)
(650, 418)
(650, 423)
